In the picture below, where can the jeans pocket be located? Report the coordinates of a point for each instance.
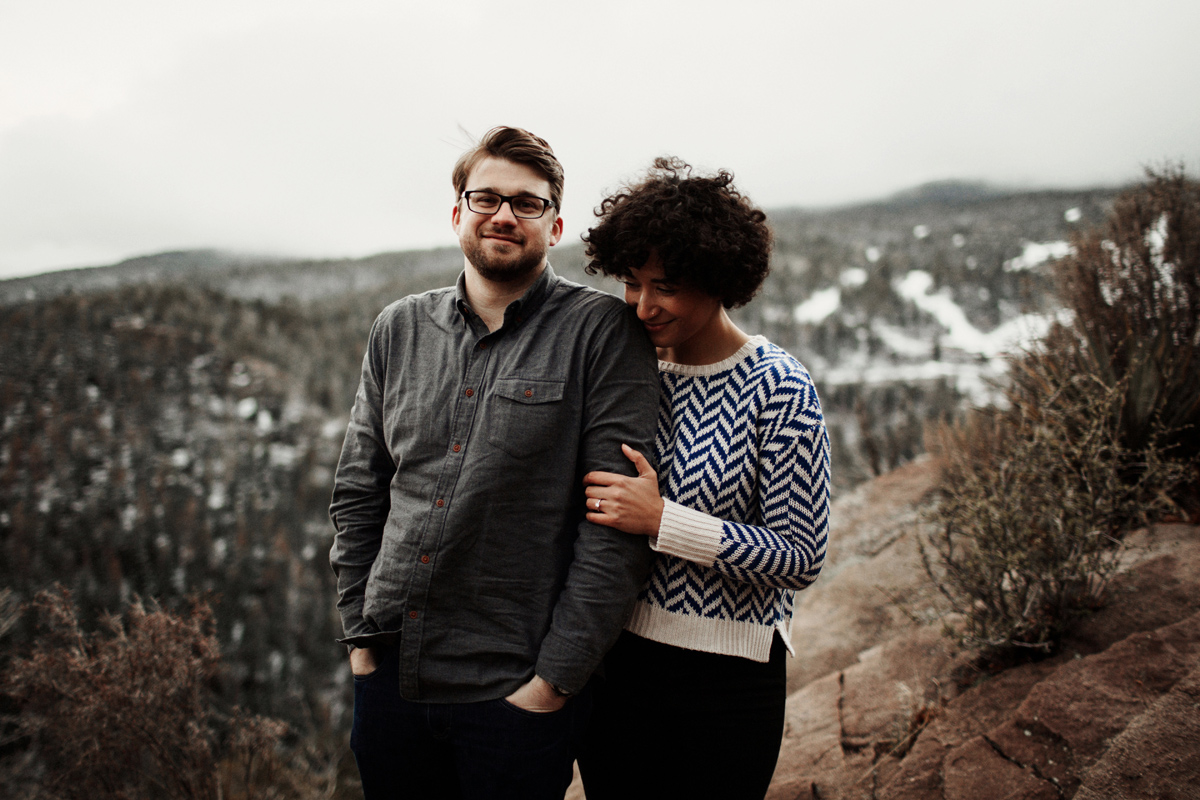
(525, 712)
(366, 676)
(383, 654)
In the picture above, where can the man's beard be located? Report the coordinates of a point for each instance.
(499, 268)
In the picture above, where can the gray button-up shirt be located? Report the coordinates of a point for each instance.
(458, 500)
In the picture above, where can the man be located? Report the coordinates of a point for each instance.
(475, 595)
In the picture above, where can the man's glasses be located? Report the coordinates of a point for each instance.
(523, 206)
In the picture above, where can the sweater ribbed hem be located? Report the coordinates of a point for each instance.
(688, 534)
(727, 637)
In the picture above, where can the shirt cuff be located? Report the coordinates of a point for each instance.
(688, 534)
(562, 665)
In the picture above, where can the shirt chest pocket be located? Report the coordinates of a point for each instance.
(527, 416)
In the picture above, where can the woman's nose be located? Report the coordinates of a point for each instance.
(646, 308)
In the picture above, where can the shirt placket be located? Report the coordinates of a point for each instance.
(469, 395)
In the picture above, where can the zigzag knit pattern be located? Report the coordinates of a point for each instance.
(744, 468)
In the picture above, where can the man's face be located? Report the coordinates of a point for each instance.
(502, 247)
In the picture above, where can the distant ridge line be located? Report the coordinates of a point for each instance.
(237, 274)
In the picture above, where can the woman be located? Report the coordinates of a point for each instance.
(738, 512)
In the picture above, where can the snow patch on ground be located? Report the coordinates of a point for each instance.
(977, 379)
(853, 278)
(247, 407)
(1035, 253)
(816, 308)
(960, 333)
(900, 343)
(971, 360)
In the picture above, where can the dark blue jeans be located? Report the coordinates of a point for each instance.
(459, 750)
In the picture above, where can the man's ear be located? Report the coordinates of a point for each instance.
(455, 218)
(556, 231)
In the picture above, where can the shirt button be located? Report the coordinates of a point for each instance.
(529, 392)
(440, 502)
(424, 559)
(456, 448)
(470, 393)
(412, 615)
(483, 345)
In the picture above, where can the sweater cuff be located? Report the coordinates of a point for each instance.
(688, 534)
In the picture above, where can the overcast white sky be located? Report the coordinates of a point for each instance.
(329, 128)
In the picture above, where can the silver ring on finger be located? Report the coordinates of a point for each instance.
(598, 502)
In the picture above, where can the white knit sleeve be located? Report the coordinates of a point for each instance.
(688, 534)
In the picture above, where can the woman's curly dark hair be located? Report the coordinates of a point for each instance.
(708, 235)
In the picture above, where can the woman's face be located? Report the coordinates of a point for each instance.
(674, 316)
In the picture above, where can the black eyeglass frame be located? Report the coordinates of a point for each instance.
(504, 198)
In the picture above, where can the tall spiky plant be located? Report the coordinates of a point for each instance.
(1134, 288)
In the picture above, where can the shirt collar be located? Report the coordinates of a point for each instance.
(518, 310)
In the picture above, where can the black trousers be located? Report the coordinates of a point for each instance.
(669, 722)
(474, 751)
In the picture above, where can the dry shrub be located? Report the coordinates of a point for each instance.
(1099, 433)
(1034, 499)
(129, 712)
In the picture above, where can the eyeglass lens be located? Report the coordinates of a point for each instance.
(522, 206)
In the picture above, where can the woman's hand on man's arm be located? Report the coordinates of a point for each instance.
(629, 504)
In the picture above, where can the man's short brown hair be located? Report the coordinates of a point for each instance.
(519, 146)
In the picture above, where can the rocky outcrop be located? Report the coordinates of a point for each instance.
(872, 584)
(1157, 755)
(848, 732)
(1113, 714)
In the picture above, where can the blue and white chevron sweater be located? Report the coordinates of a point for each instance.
(744, 470)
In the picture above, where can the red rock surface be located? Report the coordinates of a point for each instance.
(1158, 755)
(1090, 721)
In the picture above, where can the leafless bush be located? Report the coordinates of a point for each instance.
(1034, 499)
(129, 712)
(1098, 435)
